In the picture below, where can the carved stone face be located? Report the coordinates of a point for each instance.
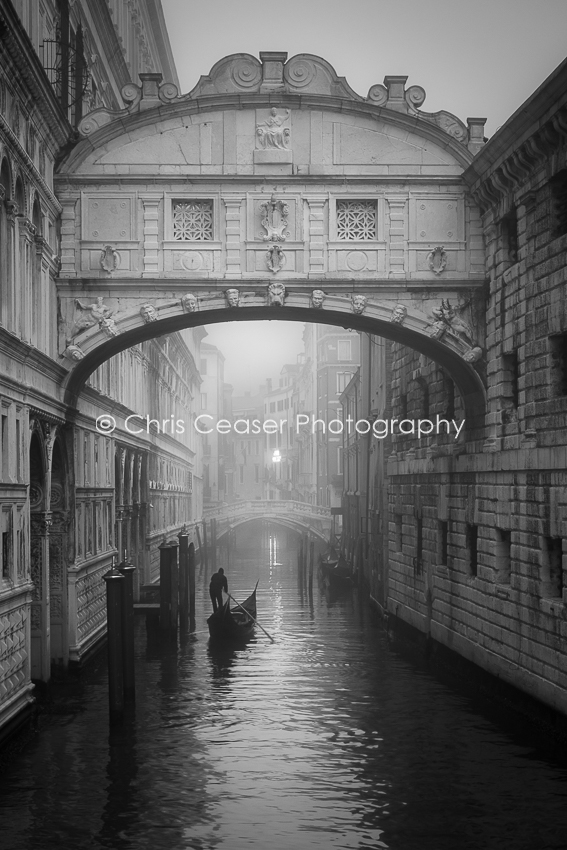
(473, 355)
(73, 352)
(399, 314)
(189, 303)
(148, 313)
(317, 297)
(108, 326)
(358, 303)
(232, 297)
(276, 294)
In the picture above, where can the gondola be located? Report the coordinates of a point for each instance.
(337, 572)
(233, 624)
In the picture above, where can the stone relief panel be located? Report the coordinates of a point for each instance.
(438, 220)
(108, 218)
(13, 652)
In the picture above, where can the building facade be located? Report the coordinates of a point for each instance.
(74, 496)
(477, 551)
(375, 219)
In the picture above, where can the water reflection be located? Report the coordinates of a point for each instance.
(325, 739)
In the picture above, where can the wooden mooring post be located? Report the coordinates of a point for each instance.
(183, 538)
(164, 586)
(311, 563)
(174, 587)
(114, 581)
(127, 569)
(191, 572)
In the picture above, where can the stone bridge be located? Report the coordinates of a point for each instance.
(297, 516)
(272, 189)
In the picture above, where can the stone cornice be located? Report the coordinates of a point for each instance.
(106, 32)
(536, 131)
(305, 81)
(16, 42)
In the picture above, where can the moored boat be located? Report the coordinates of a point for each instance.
(336, 571)
(236, 623)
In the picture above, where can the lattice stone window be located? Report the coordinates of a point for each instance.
(193, 221)
(356, 220)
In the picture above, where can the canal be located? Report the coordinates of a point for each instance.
(327, 738)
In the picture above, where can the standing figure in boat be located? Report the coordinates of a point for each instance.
(216, 587)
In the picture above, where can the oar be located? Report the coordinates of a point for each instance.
(248, 614)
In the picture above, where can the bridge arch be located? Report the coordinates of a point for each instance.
(96, 347)
(300, 185)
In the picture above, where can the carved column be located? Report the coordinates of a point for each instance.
(151, 232)
(317, 236)
(68, 238)
(27, 235)
(120, 503)
(233, 236)
(12, 264)
(40, 523)
(398, 237)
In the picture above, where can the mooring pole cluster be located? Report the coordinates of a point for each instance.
(119, 582)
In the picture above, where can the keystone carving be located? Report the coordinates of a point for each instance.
(276, 294)
(274, 220)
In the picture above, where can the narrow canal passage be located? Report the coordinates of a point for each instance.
(327, 738)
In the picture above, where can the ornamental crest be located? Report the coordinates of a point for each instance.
(274, 220)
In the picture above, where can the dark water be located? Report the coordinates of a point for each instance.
(325, 739)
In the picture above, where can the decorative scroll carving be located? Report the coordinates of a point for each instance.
(189, 303)
(109, 259)
(246, 73)
(437, 260)
(399, 314)
(272, 133)
(232, 298)
(358, 303)
(378, 95)
(317, 298)
(274, 220)
(275, 259)
(148, 313)
(276, 294)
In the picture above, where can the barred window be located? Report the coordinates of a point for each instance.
(356, 220)
(193, 221)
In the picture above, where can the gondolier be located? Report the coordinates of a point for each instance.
(216, 587)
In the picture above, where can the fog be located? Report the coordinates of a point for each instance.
(255, 351)
(472, 57)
